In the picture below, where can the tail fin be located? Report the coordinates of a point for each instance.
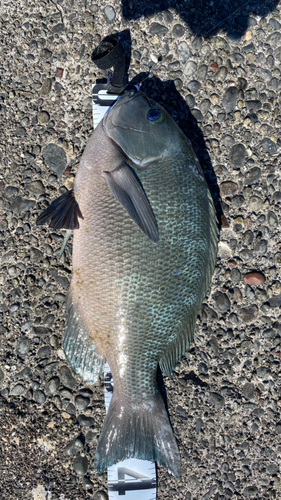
(137, 431)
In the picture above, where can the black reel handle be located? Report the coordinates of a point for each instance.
(110, 53)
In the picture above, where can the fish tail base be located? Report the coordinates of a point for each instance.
(140, 431)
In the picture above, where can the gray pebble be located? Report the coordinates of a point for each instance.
(20, 132)
(190, 101)
(18, 390)
(178, 30)
(228, 141)
(67, 378)
(41, 330)
(23, 346)
(80, 465)
(2, 378)
(55, 157)
(248, 237)
(87, 103)
(229, 99)
(205, 105)
(10, 191)
(43, 117)
(39, 397)
(221, 74)
(216, 399)
(194, 86)
(202, 72)
(46, 54)
(74, 446)
(36, 255)
(237, 156)
(249, 313)
(178, 84)
(52, 385)
(100, 495)
(228, 188)
(190, 68)
(192, 482)
(81, 403)
(261, 247)
(157, 28)
(248, 390)
(87, 483)
(26, 373)
(58, 28)
(252, 176)
(90, 436)
(197, 43)
(238, 200)
(221, 301)
(48, 320)
(19, 205)
(272, 469)
(246, 255)
(197, 115)
(44, 352)
(253, 105)
(268, 146)
(235, 275)
(274, 23)
(183, 51)
(35, 187)
(255, 203)
(203, 368)
(275, 301)
(71, 409)
(109, 14)
(86, 421)
(250, 491)
(199, 425)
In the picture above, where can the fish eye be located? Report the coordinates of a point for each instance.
(155, 115)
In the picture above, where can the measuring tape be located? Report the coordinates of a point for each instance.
(133, 478)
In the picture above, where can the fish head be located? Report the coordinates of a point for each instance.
(141, 128)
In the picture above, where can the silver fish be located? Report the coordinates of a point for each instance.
(144, 251)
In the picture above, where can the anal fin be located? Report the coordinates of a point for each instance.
(178, 347)
(79, 348)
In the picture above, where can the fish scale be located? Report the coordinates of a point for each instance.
(143, 258)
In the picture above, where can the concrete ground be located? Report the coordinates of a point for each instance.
(215, 65)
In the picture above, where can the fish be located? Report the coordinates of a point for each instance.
(144, 251)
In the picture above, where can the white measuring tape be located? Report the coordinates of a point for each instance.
(133, 478)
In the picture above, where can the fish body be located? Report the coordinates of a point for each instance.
(143, 258)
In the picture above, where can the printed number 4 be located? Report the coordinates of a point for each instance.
(141, 482)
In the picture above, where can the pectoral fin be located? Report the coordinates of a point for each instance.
(62, 212)
(127, 189)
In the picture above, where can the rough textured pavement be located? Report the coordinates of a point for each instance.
(216, 67)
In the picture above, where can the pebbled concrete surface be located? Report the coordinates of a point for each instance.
(216, 67)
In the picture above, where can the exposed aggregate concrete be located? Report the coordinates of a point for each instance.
(225, 397)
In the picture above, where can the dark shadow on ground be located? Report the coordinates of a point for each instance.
(204, 17)
(166, 94)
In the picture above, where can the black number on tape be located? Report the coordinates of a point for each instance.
(140, 482)
(108, 382)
